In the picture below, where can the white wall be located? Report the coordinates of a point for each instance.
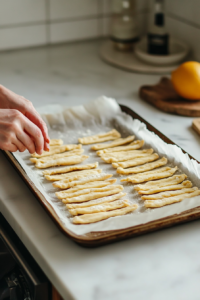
(25, 23)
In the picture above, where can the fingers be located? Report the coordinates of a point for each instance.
(46, 146)
(19, 145)
(36, 135)
(26, 141)
(10, 147)
(34, 117)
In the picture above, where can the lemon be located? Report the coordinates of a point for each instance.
(186, 80)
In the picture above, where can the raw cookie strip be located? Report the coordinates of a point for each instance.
(111, 135)
(132, 146)
(71, 169)
(99, 208)
(96, 201)
(56, 156)
(125, 156)
(115, 143)
(144, 168)
(88, 179)
(170, 200)
(91, 185)
(115, 190)
(88, 191)
(151, 175)
(57, 149)
(71, 174)
(92, 218)
(154, 189)
(73, 160)
(137, 161)
(162, 182)
(169, 194)
(78, 175)
(56, 142)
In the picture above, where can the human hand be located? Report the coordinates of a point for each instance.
(10, 100)
(18, 133)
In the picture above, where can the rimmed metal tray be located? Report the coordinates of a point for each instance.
(94, 239)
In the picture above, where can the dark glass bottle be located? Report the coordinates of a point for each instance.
(158, 38)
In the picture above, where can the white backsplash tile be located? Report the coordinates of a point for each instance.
(22, 11)
(188, 10)
(187, 33)
(74, 30)
(67, 9)
(19, 37)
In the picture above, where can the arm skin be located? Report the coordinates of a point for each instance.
(21, 127)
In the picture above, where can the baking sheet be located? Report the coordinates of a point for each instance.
(98, 116)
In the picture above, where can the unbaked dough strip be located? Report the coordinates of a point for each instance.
(143, 168)
(70, 169)
(154, 189)
(88, 179)
(56, 142)
(170, 200)
(111, 135)
(137, 161)
(151, 175)
(132, 146)
(71, 174)
(92, 218)
(97, 201)
(55, 156)
(57, 149)
(169, 194)
(117, 142)
(78, 175)
(100, 208)
(162, 182)
(91, 185)
(126, 156)
(93, 196)
(73, 160)
(92, 190)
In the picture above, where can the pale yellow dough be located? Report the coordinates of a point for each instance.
(170, 200)
(117, 142)
(169, 194)
(71, 175)
(88, 179)
(125, 156)
(56, 156)
(132, 146)
(92, 218)
(81, 188)
(111, 135)
(65, 161)
(99, 208)
(115, 190)
(88, 191)
(162, 182)
(137, 161)
(96, 201)
(151, 175)
(154, 189)
(144, 168)
(70, 169)
(56, 142)
(56, 150)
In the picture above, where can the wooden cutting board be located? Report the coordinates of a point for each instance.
(164, 97)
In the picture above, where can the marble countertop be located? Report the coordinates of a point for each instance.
(162, 265)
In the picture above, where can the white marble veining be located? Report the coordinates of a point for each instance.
(162, 265)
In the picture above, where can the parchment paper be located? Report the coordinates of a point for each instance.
(100, 116)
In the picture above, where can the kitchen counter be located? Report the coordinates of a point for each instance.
(162, 265)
